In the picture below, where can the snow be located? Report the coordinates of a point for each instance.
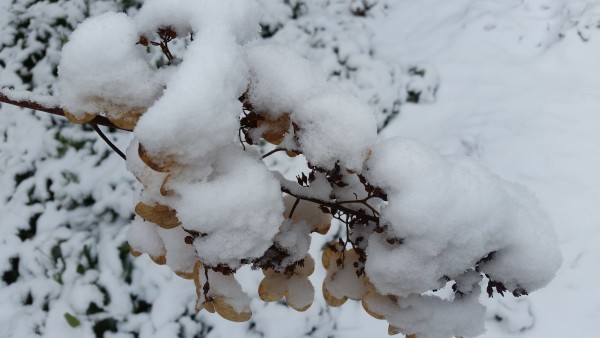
(450, 213)
(333, 126)
(103, 70)
(281, 79)
(515, 94)
(239, 213)
(298, 291)
(307, 212)
(341, 282)
(198, 112)
(336, 127)
(294, 238)
(431, 317)
(45, 100)
(143, 237)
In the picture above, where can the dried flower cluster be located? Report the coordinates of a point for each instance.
(414, 221)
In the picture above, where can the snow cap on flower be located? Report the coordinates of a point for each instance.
(103, 70)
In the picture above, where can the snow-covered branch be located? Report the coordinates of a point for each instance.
(43, 103)
(415, 221)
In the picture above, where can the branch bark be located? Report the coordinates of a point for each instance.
(25, 103)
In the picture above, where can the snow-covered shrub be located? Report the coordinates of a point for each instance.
(415, 221)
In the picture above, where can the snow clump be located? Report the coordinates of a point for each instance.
(103, 69)
(452, 215)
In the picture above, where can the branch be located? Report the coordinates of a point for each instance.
(45, 104)
(363, 202)
(333, 205)
(48, 104)
(107, 141)
(273, 152)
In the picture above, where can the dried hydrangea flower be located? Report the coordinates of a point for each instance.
(295, 287)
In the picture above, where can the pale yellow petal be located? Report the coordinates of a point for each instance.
(163, 164)
(393, 330)
(272, 288)
(87, 117)
(160, 260)
(330, 299)
(126, 120)
(227, 311)
(300, 293)
(159, 214)
(307, 268)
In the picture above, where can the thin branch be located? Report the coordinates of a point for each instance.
(363, 202)
(206, 286)
(273, 152)
(101, 120)
(166, 51)
(334, 205)
(240, 137)
(294, 208)
(107, 141)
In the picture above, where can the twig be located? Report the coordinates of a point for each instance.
(294, 208)
(273, 152)
(101, 120)
(107, 141)
(334, 205)
(206, 286)
(363, 202)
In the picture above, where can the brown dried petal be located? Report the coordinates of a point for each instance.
(86, 118)
(292, 153)
(330, 299)
(159, 214)
(163, 165)
(300, 293)
(227, 311)
(196, 272)
(327, 255)
(273, 138)
(160, 260)
(272, 288)
(322, 229)
(368, 155)
(125, 120)
(372, 313)
(206, 305)
(185, 274)
(373, 300)
(275, 129)
(164, 190)
(134, 252)
(365, 304)
(393, 330)
(307, 269)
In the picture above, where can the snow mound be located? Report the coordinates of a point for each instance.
(451, 215)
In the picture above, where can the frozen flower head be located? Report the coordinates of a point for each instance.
(411, 221)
